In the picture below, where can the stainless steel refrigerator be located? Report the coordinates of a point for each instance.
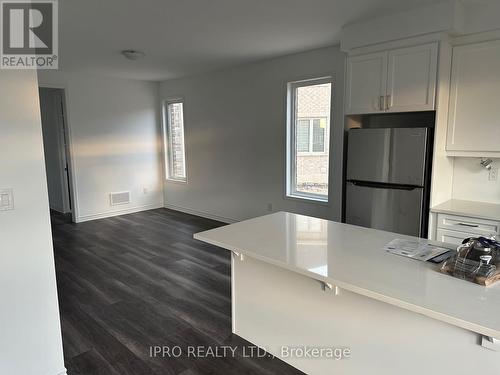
(387, 179)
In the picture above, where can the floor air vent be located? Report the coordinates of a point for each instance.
(122, 197)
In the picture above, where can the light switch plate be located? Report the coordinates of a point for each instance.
(6, 199)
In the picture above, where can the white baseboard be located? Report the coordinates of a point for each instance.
(63, 372)
(206, 215)
(129, 210)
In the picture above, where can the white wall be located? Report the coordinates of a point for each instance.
(235, 137)
(30, 333)
(481, 16)
(53, 144)
(455, 17)
(431, 18)
(471, 182)
(114, 134)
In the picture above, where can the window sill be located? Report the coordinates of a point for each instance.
(312, 153)
(177, 181)
(307, 199)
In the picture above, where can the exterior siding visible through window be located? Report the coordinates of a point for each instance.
(308, 135)
(174, 141)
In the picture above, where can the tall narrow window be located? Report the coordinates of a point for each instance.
(174, 141)
(308, 138)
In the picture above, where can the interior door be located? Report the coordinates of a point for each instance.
(390, 209)
(411, 82)
(63, 149)
(366, 83)
(55, 148)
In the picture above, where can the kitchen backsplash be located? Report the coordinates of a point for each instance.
(471, 181)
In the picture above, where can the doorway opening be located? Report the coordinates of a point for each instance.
(56, 147)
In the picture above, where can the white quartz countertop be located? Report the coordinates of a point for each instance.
(480, 210)
(353, 259)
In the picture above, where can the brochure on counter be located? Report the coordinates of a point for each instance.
(420, 250)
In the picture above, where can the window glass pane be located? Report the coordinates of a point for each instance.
(303, 136)
(311, 169)
(176, 162)
(319, 128)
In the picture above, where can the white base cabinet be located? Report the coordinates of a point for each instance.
(453, 229)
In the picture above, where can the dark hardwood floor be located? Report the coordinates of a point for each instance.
(131, 282)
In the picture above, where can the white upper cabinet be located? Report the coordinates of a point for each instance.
(411, 84)
(399, 80)
(474, 111)
(367, 80)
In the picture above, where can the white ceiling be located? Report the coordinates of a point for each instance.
(185, 37)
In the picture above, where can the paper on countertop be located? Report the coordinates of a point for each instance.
(419, 250)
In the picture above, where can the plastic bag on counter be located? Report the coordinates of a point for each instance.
(477, 260)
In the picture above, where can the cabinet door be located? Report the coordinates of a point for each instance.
(366, 83)
(452, 237)
(474, 112)
(479, 227)
(411, 82)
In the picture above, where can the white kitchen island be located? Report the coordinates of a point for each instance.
(303, 282)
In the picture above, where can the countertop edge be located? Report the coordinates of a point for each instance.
(442, 208)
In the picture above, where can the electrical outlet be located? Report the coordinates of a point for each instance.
(270, 207)
(6, 199)
(493, 176)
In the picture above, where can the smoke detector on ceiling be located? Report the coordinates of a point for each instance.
(132, 54)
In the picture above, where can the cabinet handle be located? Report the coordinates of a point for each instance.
(468, 225)
(388, 103)
(381, 102)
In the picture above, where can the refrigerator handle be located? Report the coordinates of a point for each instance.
(381, 102)
(382, 185)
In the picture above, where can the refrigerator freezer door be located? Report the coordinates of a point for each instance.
(394, 156)
(390, 209)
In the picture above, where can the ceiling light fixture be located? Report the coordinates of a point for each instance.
(132, 54)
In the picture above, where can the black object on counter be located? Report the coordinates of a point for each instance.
(442, 257)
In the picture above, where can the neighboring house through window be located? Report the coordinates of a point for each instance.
(311, 135)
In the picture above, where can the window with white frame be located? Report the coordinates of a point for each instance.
(308, 138)
(174, 140)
